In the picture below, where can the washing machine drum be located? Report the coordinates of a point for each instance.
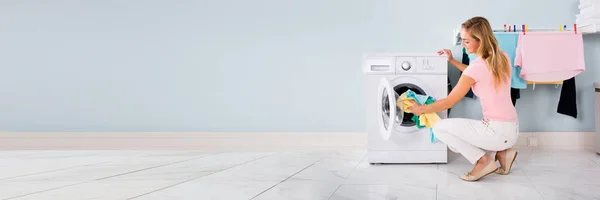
(405, 119)
(393, 118)
(402, 118)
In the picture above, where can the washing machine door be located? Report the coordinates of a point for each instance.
(388, 112)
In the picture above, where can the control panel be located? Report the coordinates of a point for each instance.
(421, 65)
(405, 64)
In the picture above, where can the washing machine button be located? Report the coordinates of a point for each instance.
(405, 66)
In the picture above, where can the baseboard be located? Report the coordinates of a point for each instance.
(557, 140)
(246, 140)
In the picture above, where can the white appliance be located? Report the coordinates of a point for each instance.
(597, 109)
(392, 136)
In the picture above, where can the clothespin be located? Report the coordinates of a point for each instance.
(523, 29)
(575, 28)
(509, 27)
(526, 28)
(561, 28)
(514, 27)
(504, 27)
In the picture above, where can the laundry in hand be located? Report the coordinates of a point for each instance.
(425, 119)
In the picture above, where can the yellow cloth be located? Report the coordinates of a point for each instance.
(425, 119)
(405, 103)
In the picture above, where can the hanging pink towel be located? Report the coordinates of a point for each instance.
(550, 57)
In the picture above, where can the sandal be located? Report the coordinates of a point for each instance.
(510, 155)
(490, 168)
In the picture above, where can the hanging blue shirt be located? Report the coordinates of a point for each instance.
(508, 43)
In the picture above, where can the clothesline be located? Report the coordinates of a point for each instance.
(514, 29)
(537, 30)
(525, 28)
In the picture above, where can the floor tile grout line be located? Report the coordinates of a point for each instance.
(436, 191)
(175, 184)
(78, 166)
(355, 167)
(319, 160)
(78, 183)
(49, 171)
(37, 192)
(532, 183)
(250, 161)
(333, 193)
(154, 167)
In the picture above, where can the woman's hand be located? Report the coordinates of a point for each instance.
(448, 54)
(451, 60)
(416, 109)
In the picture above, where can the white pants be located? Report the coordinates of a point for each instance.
(475, 138)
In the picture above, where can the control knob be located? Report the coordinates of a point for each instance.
(405, 65)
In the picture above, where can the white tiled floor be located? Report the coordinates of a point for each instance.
(311, 175)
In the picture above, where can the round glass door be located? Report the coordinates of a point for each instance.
(404, 123)
(390, 113)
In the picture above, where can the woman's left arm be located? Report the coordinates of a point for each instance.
(462, 87)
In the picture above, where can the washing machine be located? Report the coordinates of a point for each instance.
(392, 136)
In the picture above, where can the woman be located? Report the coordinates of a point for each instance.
(480, 141)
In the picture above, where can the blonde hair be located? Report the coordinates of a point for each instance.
(489, 50)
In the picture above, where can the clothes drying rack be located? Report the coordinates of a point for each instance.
(524, 28)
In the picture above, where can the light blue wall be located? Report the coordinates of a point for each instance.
(238, 65)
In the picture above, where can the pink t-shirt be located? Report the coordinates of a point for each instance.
(496, 103)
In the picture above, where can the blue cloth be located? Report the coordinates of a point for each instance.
(421, 100)
(472, 56)
(508, 43)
